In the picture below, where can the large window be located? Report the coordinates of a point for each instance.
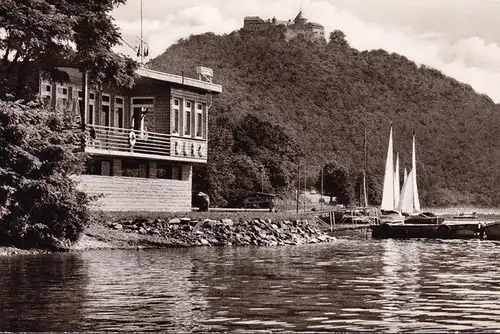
(199, 120)
(76, 98)
(176, 111)
(105, 109)
(135, 168)
(91, 109)
(141, 107)
(187, 117)
(61, 97)
(119, 111)
(93, 167)
(168, 171)
(46, 93)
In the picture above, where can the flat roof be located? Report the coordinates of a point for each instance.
(75, 75)
(182, 80)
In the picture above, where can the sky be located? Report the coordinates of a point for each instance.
(459, 37)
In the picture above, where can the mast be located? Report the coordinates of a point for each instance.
(305, 187)
(322, 168)
(396, 183)
(141, 47)
(365, 199)
(388, 190)
(416, 200)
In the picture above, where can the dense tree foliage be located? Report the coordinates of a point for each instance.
(323, 94)
(246, 155)
(39, 204)
(37, 36)
(337, 183)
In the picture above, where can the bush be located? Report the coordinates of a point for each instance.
(40, 206)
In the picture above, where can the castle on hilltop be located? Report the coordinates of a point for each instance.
(299, 26)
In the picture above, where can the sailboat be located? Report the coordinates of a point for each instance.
(390, 194)
(409, 203)
(416, 224)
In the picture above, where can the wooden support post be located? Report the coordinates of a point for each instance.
(298, 187)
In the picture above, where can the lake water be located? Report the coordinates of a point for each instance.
(349, 285)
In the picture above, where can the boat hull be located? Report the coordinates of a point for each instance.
(465, 230)
(424, 220)
(492, 230)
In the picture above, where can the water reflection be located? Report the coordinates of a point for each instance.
(42, 293)
(350, 285)
(400, 279)
(142, 291)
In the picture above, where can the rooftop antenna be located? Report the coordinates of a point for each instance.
(143, 49)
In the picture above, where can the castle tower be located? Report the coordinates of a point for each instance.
(300, 20)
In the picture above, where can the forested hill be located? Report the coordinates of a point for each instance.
(320, 96)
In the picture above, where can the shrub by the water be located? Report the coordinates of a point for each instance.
(40, 205)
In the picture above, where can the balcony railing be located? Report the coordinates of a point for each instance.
(106, 140)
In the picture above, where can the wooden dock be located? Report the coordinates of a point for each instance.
(446, 230)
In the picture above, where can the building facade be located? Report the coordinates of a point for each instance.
(299, 26)
(142, 141)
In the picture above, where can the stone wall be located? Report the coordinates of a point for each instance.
(185, 232)
(139, 194)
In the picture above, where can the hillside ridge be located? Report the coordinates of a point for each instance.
(321, 95)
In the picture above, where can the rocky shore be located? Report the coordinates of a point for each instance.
(142, 233)
(188, 232)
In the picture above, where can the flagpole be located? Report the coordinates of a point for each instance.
(141, 48)
(364, 173)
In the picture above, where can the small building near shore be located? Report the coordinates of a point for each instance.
(142, 141)
(259, 200)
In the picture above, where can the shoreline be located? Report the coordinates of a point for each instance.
(144, 233)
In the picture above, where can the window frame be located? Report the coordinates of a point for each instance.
(91, 103)
(168, 169)
(198, 124)
(117, 117)
(140, 105)
(174, 129)
(62, 97)
(187, 128)
(105, 104)
(46, 96)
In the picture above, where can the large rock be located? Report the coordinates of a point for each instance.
(205, 242)
(174, 221)
(227, 222)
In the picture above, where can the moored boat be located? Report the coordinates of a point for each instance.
(390, 193)
(492, 230)
(416, 224)
(424, 218)
(441, 230)
(465, 216)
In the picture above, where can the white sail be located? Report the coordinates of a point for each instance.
(388, 191)
(416, 200)
(407, 196)
(396, 182)
(409, 202)
(405, 176)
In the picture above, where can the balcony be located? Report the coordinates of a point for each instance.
(109, 141)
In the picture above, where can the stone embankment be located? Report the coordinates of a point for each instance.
(192, 232)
